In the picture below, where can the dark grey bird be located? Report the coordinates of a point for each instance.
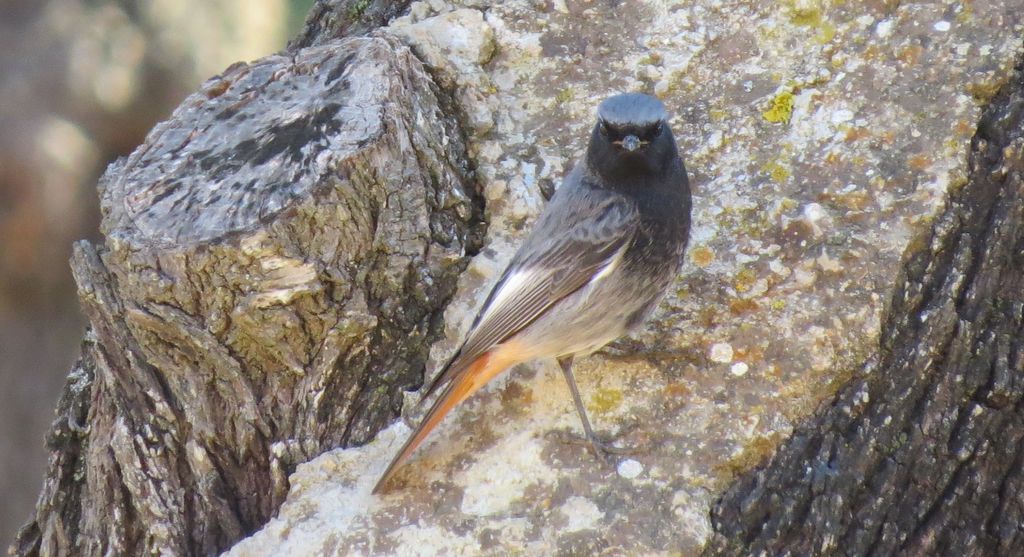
(595, 265)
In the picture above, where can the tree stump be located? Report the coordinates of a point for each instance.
(277, 258)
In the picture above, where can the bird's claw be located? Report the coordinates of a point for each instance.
(602, 449)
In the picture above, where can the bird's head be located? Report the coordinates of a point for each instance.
(631, 137)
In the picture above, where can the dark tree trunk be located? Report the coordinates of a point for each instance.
(277, 259)
(925, 454)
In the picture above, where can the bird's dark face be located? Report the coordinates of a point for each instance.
(631, 138)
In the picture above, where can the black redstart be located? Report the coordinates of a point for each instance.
(597, 262)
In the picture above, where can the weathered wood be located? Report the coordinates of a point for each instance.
(333, 19)
(278, 255)
(924, 454)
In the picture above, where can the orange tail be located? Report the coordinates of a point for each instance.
(465, 383)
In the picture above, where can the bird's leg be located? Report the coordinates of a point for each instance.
(601, 448)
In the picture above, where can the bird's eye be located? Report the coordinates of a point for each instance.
(603, 126)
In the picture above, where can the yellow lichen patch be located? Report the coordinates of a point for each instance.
(856, 134)
(826, 32)
(776, 171)
(781, 108)
(564, 96)
(756, 452)
(717, 114)
(808, 13)
(984, 90)
(966, 13)
(833, 158)
(807, 18)
(606, 400)
(702, 256)
(744, 280)
(805, 12)
(778, 304)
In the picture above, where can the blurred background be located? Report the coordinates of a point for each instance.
(81, 82)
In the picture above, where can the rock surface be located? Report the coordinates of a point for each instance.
(822, 140)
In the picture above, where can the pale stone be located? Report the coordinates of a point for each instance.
(721, 352)
(630, 468)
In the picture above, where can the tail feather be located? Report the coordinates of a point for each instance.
(457, 390)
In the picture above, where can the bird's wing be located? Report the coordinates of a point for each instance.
(578, 236)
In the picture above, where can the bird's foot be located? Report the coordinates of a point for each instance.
(605, 450)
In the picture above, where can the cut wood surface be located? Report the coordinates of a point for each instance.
(278, 255)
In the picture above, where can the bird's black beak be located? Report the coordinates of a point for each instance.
(630, 143)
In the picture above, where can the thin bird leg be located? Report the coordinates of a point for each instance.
(600, 447)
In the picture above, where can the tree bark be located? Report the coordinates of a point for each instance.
(278, 255)
(924, 455)
(332, 19)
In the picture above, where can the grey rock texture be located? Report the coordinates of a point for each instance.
(824, 142)
(277, 257)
